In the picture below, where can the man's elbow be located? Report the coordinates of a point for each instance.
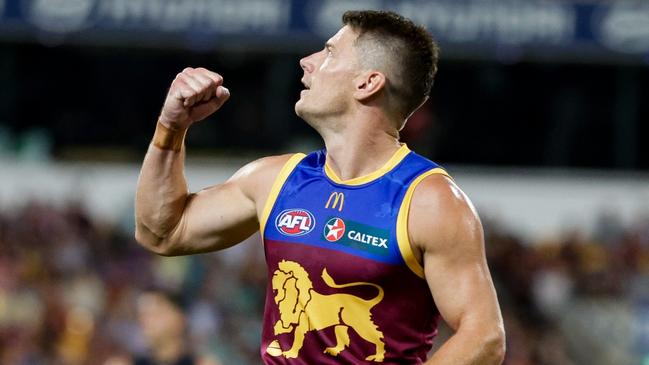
(494, 345)
(151, 242)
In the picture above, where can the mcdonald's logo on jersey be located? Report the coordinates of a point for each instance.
(336, 201)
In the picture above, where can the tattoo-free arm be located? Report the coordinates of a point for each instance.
(171, 221)
(447, 234)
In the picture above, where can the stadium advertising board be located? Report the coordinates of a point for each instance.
(490, 28)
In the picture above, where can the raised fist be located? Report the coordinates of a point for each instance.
(194, 94)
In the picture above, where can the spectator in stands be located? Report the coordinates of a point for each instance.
(161, 318)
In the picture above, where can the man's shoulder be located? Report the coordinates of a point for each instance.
(438, 190)
(256, 177)
(440, 208)
(266, 166)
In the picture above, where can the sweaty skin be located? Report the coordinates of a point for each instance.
(345, 103)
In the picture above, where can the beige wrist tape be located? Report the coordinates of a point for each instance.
(167, 138)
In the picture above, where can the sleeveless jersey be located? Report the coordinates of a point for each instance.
(343, 284)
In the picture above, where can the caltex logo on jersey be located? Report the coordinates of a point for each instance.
(295, 222)
(334, 229)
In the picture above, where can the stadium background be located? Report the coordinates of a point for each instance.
(539, 110)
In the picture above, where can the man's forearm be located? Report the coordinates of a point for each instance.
(161, 193)
(471, 348)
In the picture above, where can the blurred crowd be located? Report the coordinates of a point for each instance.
(73, 291)
(578, 298)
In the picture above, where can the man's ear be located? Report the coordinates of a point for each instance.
(368, 84)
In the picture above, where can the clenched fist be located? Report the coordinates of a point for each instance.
(194, 94)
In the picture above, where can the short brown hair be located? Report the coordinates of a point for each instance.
(412, 50)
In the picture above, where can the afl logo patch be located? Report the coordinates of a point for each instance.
(295, 222)
(334, 229)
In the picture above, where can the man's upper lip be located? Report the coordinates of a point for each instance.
(307, 86)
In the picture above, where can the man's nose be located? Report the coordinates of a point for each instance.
(307, 63)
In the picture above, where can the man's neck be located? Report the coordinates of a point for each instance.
(360, 149)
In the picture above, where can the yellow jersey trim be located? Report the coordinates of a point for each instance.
(398, 156)
(286, 170)
(403, 239)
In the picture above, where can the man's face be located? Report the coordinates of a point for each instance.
(158, 318)
(328, 78)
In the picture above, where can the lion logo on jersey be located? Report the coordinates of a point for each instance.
(302, 309)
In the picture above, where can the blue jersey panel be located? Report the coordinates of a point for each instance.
(312, 209)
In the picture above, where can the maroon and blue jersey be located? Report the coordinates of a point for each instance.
(344, 286)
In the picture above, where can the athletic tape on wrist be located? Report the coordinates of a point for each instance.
(168, 139)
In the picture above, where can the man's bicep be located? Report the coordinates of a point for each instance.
(461, 287)
(215, 218)
(449, 234)
(223, 215)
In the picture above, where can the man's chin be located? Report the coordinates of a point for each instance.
(303, 113)
(299, 108)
